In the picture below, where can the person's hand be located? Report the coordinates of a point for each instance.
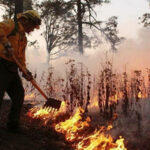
(28, 76)
(8, 50)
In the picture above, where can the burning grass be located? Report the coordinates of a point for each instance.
(73, 126)
(108, 98)
(77, 131)
(38, 112)
(30, 96)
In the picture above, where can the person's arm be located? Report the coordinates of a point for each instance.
(6, 28)
(22, 59)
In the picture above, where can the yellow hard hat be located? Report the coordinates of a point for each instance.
(31, 14)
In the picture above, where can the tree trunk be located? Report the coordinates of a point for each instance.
(49, 50)
(48, 58)
(10, 9)
(18, 6)
(80, 33)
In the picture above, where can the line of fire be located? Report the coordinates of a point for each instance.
(98, 111)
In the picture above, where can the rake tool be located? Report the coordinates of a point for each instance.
(51, 102)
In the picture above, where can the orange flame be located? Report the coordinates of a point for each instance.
(73, 125)
(139, 95)
(30, 96)
(46, 113)
(113, 99)
(74, 129)
(95, 141)
(109, 127)
(119, 144)
(99, 141)
(42, 112)
(93, 103)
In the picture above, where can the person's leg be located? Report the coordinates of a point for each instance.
(1, 99)
(16, 93)
(4, 81)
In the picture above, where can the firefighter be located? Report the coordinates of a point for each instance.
(13, 40)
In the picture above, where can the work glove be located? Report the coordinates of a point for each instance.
(28, 76)
(8, 50)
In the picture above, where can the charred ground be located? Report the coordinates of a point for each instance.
(33, 136)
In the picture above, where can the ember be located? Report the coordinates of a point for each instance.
(139, 95)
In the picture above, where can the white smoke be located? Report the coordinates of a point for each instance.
(132, 54)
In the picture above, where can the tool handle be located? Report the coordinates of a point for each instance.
(38, 88)
(32, 81)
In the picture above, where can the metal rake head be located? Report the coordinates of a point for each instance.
(53, 103)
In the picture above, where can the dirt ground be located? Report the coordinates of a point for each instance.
(33, 137)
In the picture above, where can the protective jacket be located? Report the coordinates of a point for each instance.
(18, 40)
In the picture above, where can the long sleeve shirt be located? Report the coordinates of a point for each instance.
(18, 40)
